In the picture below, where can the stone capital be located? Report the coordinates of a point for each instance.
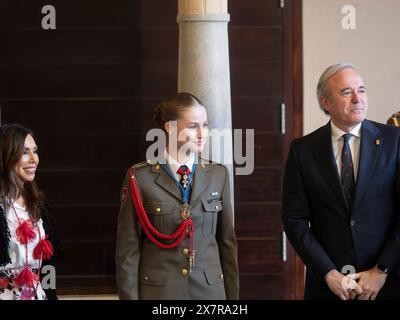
(202, 7)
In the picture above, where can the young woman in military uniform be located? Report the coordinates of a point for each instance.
(175, 237)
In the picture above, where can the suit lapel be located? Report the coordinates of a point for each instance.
(325, 159)
(369, 151)
(201, 180)
(166, 182)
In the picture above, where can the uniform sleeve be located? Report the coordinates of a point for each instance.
(128, 246)
(227, 244)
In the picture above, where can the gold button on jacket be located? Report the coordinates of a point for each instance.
(184, 272)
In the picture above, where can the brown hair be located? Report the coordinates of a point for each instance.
(12, 144)
(171, 109)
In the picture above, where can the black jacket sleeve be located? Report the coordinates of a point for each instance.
(296, 218)
(57, 254)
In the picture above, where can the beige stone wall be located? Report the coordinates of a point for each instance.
(374, 48)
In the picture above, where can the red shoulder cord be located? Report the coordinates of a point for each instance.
(151, 232)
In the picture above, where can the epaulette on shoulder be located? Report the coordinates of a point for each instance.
(139, 165)
(204, 162)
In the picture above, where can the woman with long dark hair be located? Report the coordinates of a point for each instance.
(27, 240)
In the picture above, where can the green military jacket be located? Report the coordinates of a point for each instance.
(144, 271)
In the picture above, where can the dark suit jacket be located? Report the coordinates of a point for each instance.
(318, 221)
(144, 271)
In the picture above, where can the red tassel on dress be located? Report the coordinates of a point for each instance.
(43, 250)
(26, 278)
(25, 232)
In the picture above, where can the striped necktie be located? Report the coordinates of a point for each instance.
(347, 171)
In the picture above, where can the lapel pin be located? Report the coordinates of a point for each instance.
(377, 142)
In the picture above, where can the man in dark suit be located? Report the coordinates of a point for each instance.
(341, 196)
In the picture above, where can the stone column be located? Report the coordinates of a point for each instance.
(204, 63)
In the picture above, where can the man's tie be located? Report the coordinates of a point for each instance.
(184, 171)
(347, 171)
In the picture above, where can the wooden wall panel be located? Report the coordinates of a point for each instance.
(98, 284)
(85, 258)
(255, 43)
(90, 13)
(112, 116)
(87, 80)
(90, 46)
(95, 221)
(259, 113)
(76, 187)
(88, 152)
(259, 255)
(262, 286)
(255, 13)
(261, 72)
(264, 217)
(264, 185)
(268, 75)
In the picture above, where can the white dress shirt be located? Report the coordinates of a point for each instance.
(354, 143)
(17, 250)
(174, 165)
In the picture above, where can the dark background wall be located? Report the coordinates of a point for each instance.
(88, 89)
